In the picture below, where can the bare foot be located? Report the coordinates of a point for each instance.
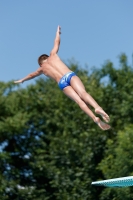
(101, 112)
(101, 124)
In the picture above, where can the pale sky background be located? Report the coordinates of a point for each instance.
(93, 31)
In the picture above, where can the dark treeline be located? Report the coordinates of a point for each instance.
(51, 150)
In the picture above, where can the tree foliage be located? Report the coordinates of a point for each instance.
(50, 149)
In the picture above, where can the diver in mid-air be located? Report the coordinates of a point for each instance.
(68, 82)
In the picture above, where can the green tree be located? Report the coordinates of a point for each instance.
(118, 163)
(51, 149)
(51, 146)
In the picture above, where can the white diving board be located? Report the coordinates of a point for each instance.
(115, 182)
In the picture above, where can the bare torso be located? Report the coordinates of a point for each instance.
(54, 68)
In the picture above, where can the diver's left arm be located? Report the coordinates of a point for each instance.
(30, 76)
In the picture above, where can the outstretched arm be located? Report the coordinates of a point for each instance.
(30, 76)
(56, 41)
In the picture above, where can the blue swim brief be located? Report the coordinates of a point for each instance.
(65, 80)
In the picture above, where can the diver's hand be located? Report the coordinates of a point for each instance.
(19, 81)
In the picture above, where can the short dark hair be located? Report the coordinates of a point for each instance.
(42, 58)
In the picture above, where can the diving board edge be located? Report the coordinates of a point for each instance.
(115, 182)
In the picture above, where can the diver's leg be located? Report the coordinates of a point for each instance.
(69, 91)
(79, 88)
